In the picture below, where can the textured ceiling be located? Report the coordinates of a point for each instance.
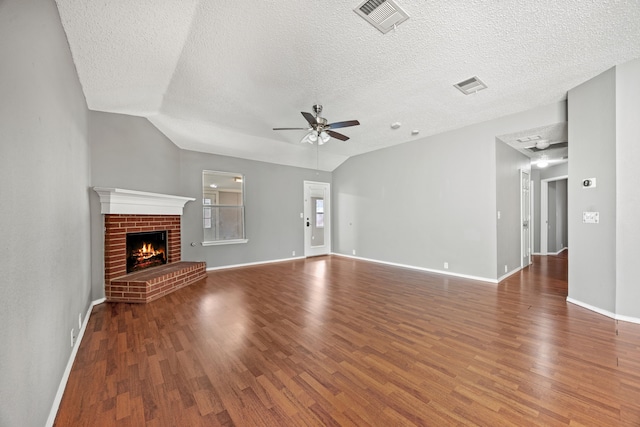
(217, 76)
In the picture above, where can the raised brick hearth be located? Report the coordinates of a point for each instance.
(153, 283)
(145, 285)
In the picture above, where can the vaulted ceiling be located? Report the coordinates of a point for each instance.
(217, 76)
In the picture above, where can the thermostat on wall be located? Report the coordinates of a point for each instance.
(589, 183)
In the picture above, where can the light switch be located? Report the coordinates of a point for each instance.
(591, 217)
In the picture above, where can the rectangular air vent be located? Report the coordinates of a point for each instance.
(470, 86)
(382, 14)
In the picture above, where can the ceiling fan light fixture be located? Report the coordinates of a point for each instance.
(542, 162)
(313, 136)
(542, 144)
(324, 137)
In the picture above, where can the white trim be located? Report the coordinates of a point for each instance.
(511, 273)
(224, 242)
(413, 267)
(559, 252)
(544, 217)
(628, 318)
(325, 249)
(604, 312)
(251, 264)
(132, 202)
(67, 370)
(591, 307)
(544, 211)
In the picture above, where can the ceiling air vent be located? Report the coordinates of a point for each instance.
(470, 86)
(382, 14)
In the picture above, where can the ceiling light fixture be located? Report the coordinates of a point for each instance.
(238, 179)
(543, 162)
(324, 137)
(213, 186)
(542, 144)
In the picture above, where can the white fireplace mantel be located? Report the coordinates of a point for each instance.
(132, 202)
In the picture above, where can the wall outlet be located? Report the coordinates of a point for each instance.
(446, 265)
(498, 214)
(73, 337)
(79, 321)
(293, 253)
(505, 268)
(354, 251)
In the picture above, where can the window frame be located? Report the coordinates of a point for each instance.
(221, 178)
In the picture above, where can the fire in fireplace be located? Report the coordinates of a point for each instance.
(145, 250)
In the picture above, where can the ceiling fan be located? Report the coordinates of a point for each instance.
(319, 130)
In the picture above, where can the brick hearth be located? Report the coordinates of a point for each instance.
(152, 283)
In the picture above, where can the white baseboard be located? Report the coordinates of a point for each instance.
(249, 264)
(550, 253)
(413, 267)
(511, 273)
(604, 312)
(72, 358)
(627, 319)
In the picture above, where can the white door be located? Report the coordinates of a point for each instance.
(317, 218)
(525, 216)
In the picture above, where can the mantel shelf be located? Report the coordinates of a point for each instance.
(132, 202)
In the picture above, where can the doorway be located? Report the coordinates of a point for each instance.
(317, 218)
(553, 215)
(525, 217)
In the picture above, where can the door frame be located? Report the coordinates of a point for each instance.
(544, 212)
(525, 217)
(325, 249)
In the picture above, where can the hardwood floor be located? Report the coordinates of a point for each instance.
(335, 341)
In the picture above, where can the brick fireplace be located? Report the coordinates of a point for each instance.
(129, 211)
(116, 228)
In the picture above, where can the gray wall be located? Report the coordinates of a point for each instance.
(429, 201)
(509, 162)
(44, 209)
(627, 185)
(603, 116)
(273, 203)
(592, 151)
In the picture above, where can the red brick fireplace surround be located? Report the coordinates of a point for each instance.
(149, 284)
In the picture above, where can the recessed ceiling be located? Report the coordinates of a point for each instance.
(550, 142)
(218, 76)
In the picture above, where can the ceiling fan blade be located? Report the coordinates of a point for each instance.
(290, 128)
(345, 124)
(337, 135)
(312, 120)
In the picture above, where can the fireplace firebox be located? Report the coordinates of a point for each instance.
(146, 250)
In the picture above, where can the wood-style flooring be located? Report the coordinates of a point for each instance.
(341, 342)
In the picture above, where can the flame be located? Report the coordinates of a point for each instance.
(146, 251)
